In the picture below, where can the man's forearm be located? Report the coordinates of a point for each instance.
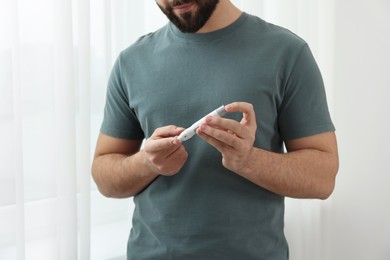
(306, 173)
(120, 169)
(121, 176)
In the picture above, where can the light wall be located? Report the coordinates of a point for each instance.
(359, 213)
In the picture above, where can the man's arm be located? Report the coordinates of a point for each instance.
(120, 169)
(308, 170)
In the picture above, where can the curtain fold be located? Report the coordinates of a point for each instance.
(84, 127)
(65, 138)
(18, 129)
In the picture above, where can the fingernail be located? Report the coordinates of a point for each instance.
(203, 127)
(208, 119)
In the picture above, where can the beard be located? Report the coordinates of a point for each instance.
(190, 22)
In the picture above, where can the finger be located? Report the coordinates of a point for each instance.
(167, 145)
(178, 153)
(249, 116)
(221, 136)
(220, 146)
(243, 107)
(172, 164)
(232, 126)
(167, 131)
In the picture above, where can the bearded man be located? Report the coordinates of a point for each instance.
(219, 195)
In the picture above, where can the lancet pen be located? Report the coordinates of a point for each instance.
(190, 131)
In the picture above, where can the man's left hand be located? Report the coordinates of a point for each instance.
(233, 139)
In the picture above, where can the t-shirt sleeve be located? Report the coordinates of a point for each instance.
(119, 119)
(304, 110)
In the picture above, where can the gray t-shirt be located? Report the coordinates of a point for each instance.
(174, 78)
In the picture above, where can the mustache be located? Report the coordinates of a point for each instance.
(175, 3)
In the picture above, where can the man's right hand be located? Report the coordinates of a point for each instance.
(164, 154)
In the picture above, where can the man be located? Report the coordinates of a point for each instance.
(219, 195)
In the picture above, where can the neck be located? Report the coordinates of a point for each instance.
(225, 14)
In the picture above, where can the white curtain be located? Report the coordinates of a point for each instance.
(55, 58)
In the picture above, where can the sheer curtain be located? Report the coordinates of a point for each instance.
(55, 58)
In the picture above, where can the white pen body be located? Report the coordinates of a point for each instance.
(187, 134)
(190, 131)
